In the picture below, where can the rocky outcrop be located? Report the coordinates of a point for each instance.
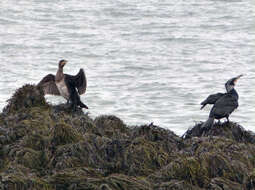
(229, 130)
(45, 147)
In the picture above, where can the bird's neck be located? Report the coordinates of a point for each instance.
(229, 87)
(234, 93)
(60, 74)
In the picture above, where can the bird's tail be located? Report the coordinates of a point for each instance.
(208, 124)
(203, 105)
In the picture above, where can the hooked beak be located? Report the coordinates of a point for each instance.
(238, 77)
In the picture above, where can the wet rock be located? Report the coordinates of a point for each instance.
(227, 129)
(66, 109)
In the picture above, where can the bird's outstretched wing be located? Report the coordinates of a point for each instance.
(48, 85)
(79, 81)
(224, 106)
(211, 99)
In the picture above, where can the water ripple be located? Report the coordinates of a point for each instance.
(146, 61)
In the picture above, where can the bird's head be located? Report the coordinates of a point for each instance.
(235, 79)
(230, 84)
(62, 63)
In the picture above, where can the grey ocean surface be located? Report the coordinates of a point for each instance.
(145, 60)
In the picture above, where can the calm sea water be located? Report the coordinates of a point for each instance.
(145, 61)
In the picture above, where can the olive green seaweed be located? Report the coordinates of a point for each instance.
(46, 147)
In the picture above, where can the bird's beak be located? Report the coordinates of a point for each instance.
(238, 77)
(63, 63)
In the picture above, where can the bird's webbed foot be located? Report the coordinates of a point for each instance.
(82, 105)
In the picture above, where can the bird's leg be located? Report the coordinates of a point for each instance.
(74, 106)
(72, 96)
(227, 119)
(74, 102)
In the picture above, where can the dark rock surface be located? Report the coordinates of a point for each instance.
(44, 147)
(229, 130)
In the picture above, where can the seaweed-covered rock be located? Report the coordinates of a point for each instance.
(227, 129)
(187, 169)
(53, 148)
(64, 134)
(25, 97)
(221, 183)
(176, 185)
(112, 127)
(91, 180)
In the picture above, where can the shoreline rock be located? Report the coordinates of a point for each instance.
(51, 148)
(228, 130)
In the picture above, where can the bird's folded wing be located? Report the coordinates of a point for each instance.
(225, 105)
(211, 99)
(48, 85)
(79, 81)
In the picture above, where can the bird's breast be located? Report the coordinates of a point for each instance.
(63, 89)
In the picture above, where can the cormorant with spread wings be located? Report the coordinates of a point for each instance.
(68, 86)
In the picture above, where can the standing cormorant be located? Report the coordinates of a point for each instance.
(211, 99)
(225, 104)
(68, 86)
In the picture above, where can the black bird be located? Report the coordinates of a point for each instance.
(225, 105)
(211, 99)
(68, 86)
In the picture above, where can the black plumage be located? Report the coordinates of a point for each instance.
(224, 104)
(211, 99)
